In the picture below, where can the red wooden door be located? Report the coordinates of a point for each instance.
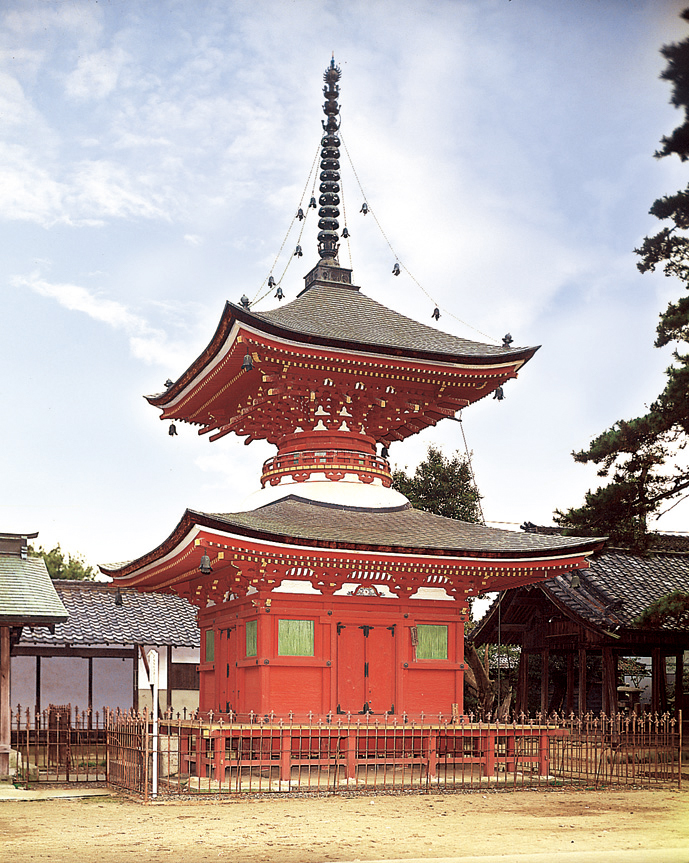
(365, 668)
(351, 688)
(380, 669)
(229, 701)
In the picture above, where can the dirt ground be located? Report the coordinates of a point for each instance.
(316, 829)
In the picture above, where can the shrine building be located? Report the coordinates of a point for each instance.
(329, 594)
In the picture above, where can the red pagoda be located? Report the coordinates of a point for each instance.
(329, 594)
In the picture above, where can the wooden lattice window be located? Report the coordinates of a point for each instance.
(251, 637)
(295, 638)
(210, 646)
(432, 641)
(182, 675)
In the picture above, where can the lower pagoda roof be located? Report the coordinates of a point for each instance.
(305, 529)
(403, 528)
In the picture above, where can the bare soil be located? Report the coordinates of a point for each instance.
(361, 828)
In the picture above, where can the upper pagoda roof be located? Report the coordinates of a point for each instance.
(343, 316)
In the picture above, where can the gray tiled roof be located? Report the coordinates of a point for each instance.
(620, 585)
(143, 618)
(403, 527)
(27, 593)
(336, 313)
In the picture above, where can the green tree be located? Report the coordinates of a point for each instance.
(445, 486)
(72, 567)
(441, 485)
(639, 455)
(671, 610)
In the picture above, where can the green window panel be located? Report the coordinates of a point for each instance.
(432, 641)
(251, 637)
(295, 638)
(210, 645)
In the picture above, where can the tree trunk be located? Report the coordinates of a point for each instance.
(484, 686)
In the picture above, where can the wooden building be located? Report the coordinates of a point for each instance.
(576, 616)
(96, 658)
(329, 593)
(27, 598)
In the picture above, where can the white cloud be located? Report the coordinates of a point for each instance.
(28, 191)
(96, 75)
(102, 188)
(145, 342)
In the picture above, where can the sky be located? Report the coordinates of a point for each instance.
(153, 156)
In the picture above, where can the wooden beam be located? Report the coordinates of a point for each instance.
(83, 652)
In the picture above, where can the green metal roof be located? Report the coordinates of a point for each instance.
(27, 595)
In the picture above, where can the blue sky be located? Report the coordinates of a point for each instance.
(152, 156)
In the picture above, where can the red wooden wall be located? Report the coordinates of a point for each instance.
(364, 659)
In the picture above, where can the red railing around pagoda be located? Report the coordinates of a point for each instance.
(335, 464)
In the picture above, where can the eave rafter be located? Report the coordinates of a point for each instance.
(240, 565)
(290, 383)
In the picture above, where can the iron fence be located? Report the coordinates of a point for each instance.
(60, 744)
(265, 754)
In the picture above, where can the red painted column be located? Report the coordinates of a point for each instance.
(459, 659)
(286, 755)
(543, 754)
(266, 651)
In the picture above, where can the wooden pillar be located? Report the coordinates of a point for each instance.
(135, 677)
(679, 683)
(570, 683)
(583, 684)
(168, 689)
(5, 708)
(609, 682)
(37, 707)
(545, 679)
(522, 700)
(658, 690)
(265, 648)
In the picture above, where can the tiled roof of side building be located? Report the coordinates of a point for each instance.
(619, 585)
(334, 313)
(142, 618)
(27, 593)
(403, 527)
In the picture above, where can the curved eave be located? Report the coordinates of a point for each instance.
(499, 608)
(192, 519)
(232, 313)
(32, 619)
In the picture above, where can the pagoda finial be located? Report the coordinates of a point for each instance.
(330, 167)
